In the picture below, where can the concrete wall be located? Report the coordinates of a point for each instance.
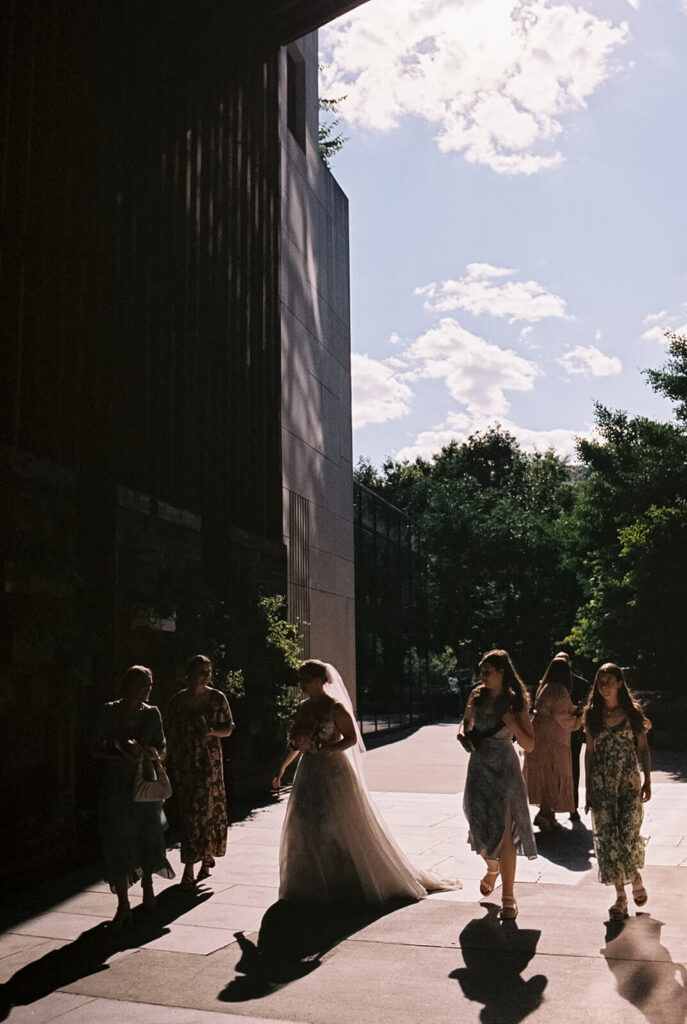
(316, 385)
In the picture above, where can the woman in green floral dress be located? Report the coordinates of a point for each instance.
(616, 732)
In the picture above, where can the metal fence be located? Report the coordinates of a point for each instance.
(391, 615)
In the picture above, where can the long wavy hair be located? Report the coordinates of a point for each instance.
(514, 696)
(593, 712)
(558, 671)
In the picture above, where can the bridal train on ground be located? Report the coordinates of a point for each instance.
(335, 846)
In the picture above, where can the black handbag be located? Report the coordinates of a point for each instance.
(473, 739)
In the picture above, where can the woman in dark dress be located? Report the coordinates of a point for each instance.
(199, 717)
(130, 730)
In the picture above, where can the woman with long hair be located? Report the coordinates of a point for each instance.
(335, 846)
(199, 718)
(616, 732)
(548, 768)
(495, 798)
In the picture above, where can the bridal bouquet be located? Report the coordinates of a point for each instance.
(308, 736)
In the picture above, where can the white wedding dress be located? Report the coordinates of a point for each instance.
(335, 847)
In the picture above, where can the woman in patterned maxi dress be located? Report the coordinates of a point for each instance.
(495, 797)
(616, 732)
(199, 717)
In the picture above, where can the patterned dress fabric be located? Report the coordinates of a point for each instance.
(495, 789)
(335, 847)
(613, 793)
(548, 768)
(132, 833)
(197, 775)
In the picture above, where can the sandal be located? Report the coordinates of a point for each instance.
(509, 909)
(187, 882)
(204, 870)
(639, 893)
(486, 885)
(618, 912)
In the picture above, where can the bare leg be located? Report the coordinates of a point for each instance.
(187, 879)
(123, 915)
(509, 908)
(619, 909)
(508, 860)
(148, 893)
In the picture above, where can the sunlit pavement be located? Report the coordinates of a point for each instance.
(444, 959)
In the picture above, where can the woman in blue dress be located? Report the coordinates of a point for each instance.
(495, 799)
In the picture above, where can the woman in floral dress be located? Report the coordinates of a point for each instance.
(495, 797)
(616, 732)
(199, 717)
(548, 768)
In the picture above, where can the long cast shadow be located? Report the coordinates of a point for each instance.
(89, 953)
(644, 971)
(291, 943)
(495, 954)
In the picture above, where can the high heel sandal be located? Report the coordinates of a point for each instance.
(639, 893)
(187, 881)
(486, 885)
(618, 912)
(205, 869)
(509, 909)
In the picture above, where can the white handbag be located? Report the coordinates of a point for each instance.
(148, 791)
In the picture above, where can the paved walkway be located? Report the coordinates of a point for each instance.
(444, 959)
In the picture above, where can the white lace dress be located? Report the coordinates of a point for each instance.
(335, 846)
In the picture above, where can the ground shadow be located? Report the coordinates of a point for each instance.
(672, 762)
(89, 953)
(495, 954)
(570, 847)
(291, 943)
(644, 971)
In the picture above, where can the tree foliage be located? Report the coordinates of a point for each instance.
(527, 551)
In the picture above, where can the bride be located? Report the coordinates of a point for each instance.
(334, 844)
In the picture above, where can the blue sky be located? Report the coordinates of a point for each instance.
(516, 177)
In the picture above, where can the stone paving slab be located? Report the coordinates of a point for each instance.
(445, 958)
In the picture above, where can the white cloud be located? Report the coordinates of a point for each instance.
(495, 77)
(654, 334)
(598, 334)
(458, 427)
(651, 318)
(378, 394)
(477, 372)
(483, 290)
(590, 361)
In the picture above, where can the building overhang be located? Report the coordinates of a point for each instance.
(291, 19)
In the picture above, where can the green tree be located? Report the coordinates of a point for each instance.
(671, 379)
(494, 521)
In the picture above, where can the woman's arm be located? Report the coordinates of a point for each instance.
(226, 722)
(588, 761)
(644, 756)
(346, 726)
(468, 714)
(562, 708)
(291, 756)
(521, 728)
